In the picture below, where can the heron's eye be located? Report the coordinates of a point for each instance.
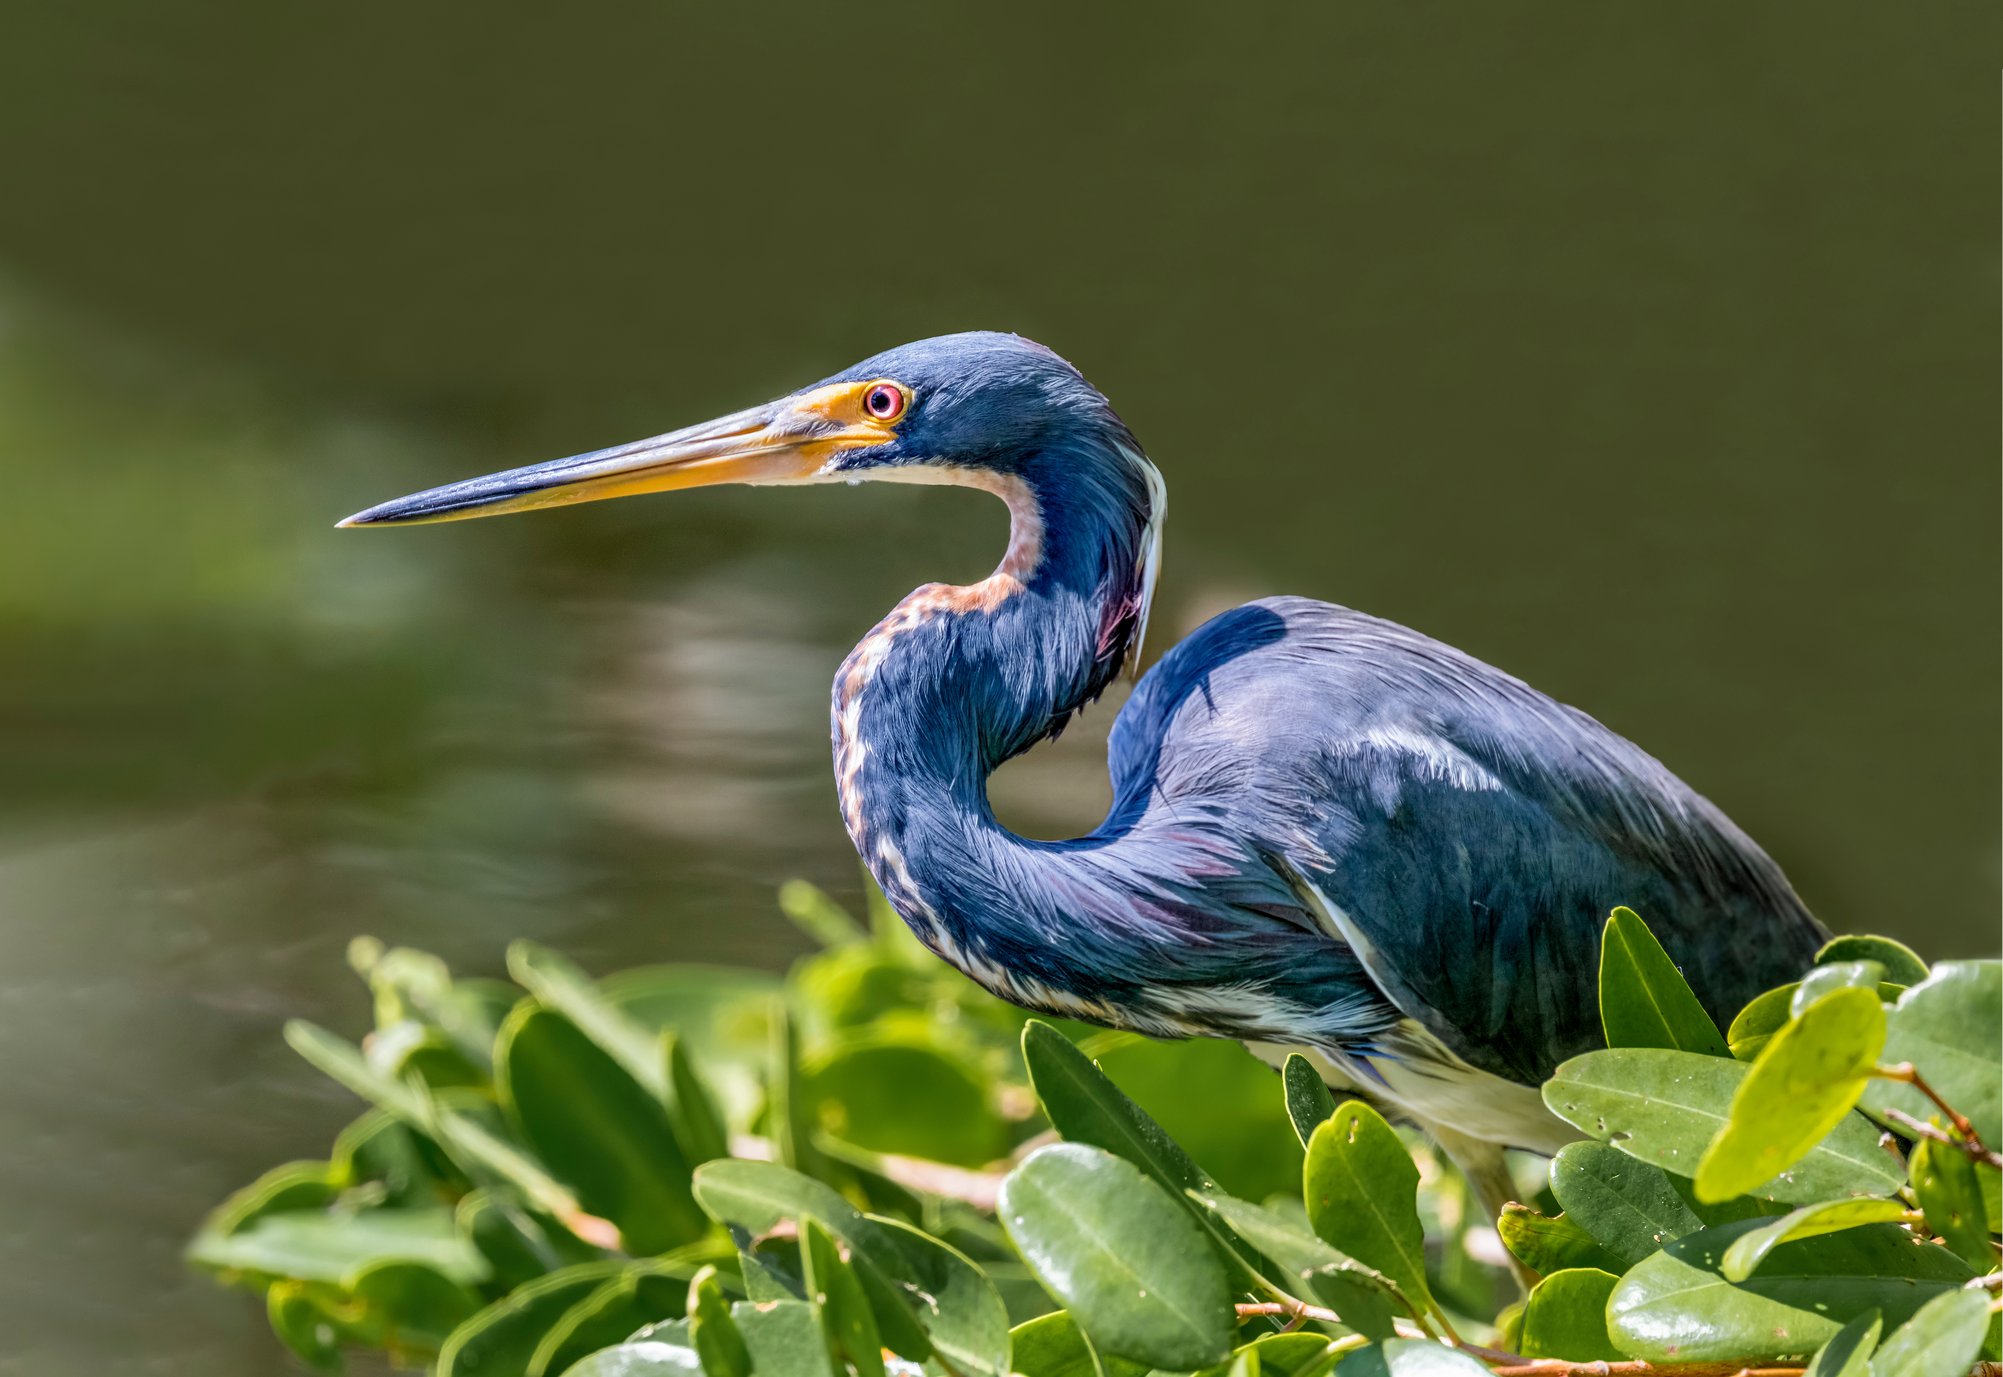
(885, 401)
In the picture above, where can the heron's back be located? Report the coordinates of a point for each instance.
(1468, 833)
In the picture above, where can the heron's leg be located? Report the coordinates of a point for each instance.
(1487, 1171)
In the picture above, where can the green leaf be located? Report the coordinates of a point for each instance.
(1084, 1106)
(917, 1276)
(785, 1339)
(1677, 1306)
(712, 1332)
(693, 1115)
(641, 1358)
(1644, 1000)
(846, 1319)
(1849, 1353)
(719, 1013)
(640, 1293)
(1548, 1244)
(415, 1300)
(287, 1188)
(1804, 1084)
(1823, 980)
(303, 1326)
(1759, 1021)
(1308, 1100)
(1121, 1254)
(898, 1092)
(1665, 1107)
(1902, 965)
(1950, 1195)
(1409, 1358)
(1950, 1026)
(329, 1245)
(1566, 1316)
(1053, 1346)
(820, 917)
(1364, 1297)
(517, 1244)
(597, 1128)
(1944, 1337)
(466, 1140)
(1629, 1207)
(501, 1339)
(1743, 1258)
(561, 986)
(1361, 1188)
(1236, 1127)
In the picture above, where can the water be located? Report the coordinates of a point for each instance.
(1664, 382)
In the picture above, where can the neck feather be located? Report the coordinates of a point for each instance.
(957, 680)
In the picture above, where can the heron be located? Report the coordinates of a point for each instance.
(1328, 833)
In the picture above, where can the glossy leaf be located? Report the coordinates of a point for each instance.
(1848, 1354)
(1237, 1128)
(1053, 1346)
(1943, 1338)
(712, 1332)
(784, 1338)
(921, 1278)
(1664, 1107)
(641, 1358)
(321, 1245)
(692, 1112)
(1950, 1026)
(1361, 1188)
(1548, 1244)
(1644, 1000)
(1628, 1207)
(1121, 1254)
(721, 1014)
(1364, 1297)
(1750, 1249)
(1409, 1358)
(637, 1294)
(464, 1138)
(1308, 1100)
(1759, 1021)
(900, 1093)
(1902, 965)
(559, 985)
(501, 1339)
(1950, 1194)
(1566, 1316)
(1677, 1306)
(597, 1129)
(1805, 1082)
(834, 1289)
(417, 1302)
(1084, 1106)
(1842, 975)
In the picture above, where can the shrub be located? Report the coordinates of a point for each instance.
(875, 1167)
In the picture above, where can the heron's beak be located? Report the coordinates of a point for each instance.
(787, 441)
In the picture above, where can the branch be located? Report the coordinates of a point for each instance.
(1972, 1147)
(1905, 1071)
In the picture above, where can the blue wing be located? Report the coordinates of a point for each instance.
(1466, 834)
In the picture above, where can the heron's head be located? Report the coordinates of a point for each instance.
(981, 408)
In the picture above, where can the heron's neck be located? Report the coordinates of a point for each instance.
(957, 680)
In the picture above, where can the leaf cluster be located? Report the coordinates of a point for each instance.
(873, 1167)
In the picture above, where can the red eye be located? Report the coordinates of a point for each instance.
(885, 401)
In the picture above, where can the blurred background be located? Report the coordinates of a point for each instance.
(1647, 353)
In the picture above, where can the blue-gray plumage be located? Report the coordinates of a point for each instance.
(1327, 831)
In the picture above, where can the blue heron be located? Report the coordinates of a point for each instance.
(1328, 832)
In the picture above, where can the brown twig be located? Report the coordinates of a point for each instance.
(1971, 1147)
(1910, 1074)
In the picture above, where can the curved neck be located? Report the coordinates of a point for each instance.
(957, 680)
